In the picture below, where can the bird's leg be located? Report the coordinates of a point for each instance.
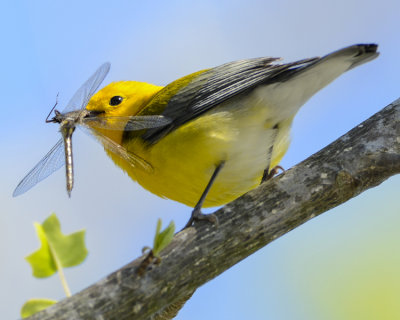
(267, 173)
(197, 215)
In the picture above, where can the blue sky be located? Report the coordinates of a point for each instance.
(329, 268)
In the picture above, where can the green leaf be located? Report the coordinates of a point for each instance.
(35, 305)
(162, 239)
(57, 250)
(70, 249)
(41, 261)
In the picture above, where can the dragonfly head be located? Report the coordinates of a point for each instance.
(56, 118)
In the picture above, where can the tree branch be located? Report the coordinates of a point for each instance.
(361, 159)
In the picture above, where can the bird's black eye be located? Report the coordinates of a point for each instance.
(116, 100)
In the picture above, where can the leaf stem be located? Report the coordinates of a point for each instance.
(64, 282)
(60, 271)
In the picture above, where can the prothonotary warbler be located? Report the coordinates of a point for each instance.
(208, 137)
(229, 124)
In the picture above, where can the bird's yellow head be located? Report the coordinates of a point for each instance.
(120, 99)
(123, 98)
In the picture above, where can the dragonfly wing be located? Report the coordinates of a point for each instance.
(146, 122)
(85, 92)
(126, 123)
(51, 162)
(110, 145)
(130, 157)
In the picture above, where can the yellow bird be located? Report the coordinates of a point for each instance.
(229, 125)
(204, 139)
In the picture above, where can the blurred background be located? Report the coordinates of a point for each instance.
(344, 264)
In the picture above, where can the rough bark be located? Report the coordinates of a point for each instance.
(361, 159)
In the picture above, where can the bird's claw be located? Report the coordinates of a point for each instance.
(269, 174)
(197, 215)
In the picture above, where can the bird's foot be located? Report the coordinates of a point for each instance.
(269, 174)
(197, 215)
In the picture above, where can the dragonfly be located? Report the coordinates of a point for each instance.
(75, 114)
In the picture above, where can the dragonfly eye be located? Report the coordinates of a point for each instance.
(116, 100)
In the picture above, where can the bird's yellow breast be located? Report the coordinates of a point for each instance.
(184, 160)
(238, 132)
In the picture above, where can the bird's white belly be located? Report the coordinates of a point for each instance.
(254, 140)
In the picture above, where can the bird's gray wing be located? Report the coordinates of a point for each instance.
(214, 86)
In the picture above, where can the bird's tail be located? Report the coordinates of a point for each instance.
(357, 54)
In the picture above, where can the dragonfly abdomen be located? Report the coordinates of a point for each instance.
(67, 130)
